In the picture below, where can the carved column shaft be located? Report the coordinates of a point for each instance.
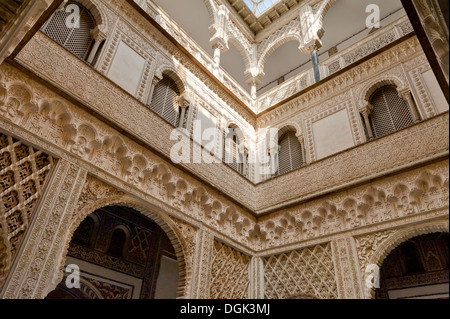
(345, 258)
(412, 105)
(365, 114)
(315, 61)
(256, 278)
(201, 273)
(99, 37)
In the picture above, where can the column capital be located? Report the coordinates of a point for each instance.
(314, 45)
(366, 109)
(311, 30)
(98, 34)
(183, 101)
(405, 93)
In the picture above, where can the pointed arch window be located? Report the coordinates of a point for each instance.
(390, 112)
(290, 153)
(77, 40)
(164, 101)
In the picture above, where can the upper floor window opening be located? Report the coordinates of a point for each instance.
(233, 154)
(72, 32)
(290, 153)
(389, 113)
(165, 101)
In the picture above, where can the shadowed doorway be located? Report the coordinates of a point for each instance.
(121, 254)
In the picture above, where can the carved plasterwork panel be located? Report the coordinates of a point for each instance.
(230, 276)
(309, 271)
(367, 246)
(347, 271)
(34, 274)
(422, 91)
(24, 171)
(91, 140)
(405, 195)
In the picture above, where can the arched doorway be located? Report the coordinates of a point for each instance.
(120, 254)
(417, 269)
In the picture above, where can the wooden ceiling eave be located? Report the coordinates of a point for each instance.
(261, 23)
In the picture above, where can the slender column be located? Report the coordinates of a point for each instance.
(182, 115)
(152, 89)
(217, 53)
(253, 91)
(412, 106)
(93, 51)
(201, 274)
(245, 169)
(183, 104)
(365, 114)
(256, 278)
(273, 164)
(99, 37)
(302, 143)
(315, 61)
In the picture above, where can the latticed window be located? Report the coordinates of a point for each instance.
(290, 154)
(164, 100)
(390, 112)
(233, 157)
(77, 40)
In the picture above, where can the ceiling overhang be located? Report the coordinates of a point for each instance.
(261, 22)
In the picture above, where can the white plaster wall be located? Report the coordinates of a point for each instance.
(127, 68)
(435, 91)
(208, 121)
(332, 134)
(167, 283)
